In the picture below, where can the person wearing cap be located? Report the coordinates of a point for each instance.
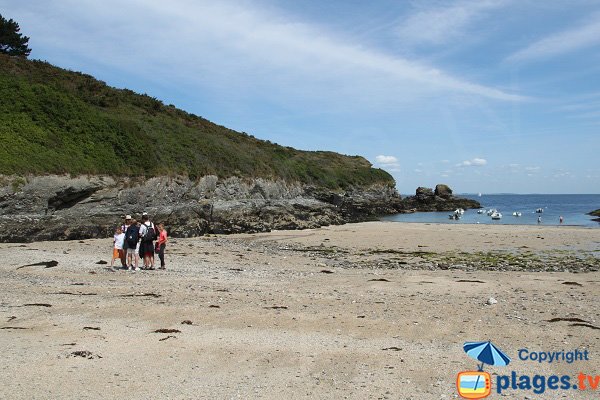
(126, 223)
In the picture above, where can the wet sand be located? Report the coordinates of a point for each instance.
(359, 311)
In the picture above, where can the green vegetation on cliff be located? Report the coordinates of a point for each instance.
(595, 213)
(58, 121)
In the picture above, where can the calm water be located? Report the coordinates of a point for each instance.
(573, 208)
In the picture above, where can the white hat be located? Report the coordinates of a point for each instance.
(128, 216)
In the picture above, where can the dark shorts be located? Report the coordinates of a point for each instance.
(147, 248)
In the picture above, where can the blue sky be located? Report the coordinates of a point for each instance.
(487, 96)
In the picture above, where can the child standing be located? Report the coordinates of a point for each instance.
(161, 244)
(118, 242)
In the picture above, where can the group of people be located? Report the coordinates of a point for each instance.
(560, 219)
(134, 241)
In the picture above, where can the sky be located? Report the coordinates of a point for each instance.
(491, 96)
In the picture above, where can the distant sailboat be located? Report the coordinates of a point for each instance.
(479, 194)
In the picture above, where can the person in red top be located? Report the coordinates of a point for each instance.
(161, 244)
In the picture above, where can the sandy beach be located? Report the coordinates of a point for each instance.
(360, 311)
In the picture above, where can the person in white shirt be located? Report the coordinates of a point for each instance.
(118, 242)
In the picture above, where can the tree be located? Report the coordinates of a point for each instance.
(11, 41)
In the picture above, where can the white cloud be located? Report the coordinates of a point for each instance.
(560, 43)
(444, 24)
(381, 159)
(238, 44)
(532, 169)
(513, 168)
(475, 162)
(561, 173)
(389, 163)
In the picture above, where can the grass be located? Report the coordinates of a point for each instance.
(64, 122)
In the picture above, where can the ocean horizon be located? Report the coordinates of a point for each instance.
(572, 207)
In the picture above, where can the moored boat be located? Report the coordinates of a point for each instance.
(455, 215)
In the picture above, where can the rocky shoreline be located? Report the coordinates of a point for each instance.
(67, 208)
(56, 207)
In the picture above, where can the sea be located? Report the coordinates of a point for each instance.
(572, 207)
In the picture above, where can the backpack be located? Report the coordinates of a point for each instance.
(132, 236)
(150, 234)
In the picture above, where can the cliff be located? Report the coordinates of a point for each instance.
(56, 207)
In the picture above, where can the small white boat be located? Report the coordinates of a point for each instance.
(480, 211)
(496, 215)
(491, 211)
(479, 194)
(517, 214)
(459, 211)
(455, 215)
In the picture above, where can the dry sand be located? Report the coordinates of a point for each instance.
(360, 311)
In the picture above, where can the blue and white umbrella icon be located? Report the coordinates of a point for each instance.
(486, 353)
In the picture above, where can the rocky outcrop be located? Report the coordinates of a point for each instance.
(423, 193)
(443, 191)
(62, 207)
(595, 213)
(440, 199)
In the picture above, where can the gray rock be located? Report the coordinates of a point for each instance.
(63, 207)
(426, 199)
(443, 191)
